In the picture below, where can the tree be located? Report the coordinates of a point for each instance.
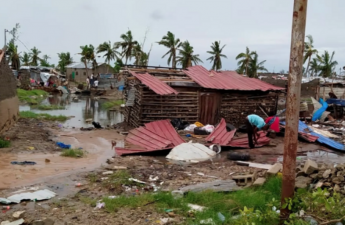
(309, 50)
(35, 56)
(44, 61)
(118, 65)
(327, 65)
(216, 55)
(245, 58)
(64, 60)
(255, 66)
(14, 56)
(314, 67)
(126, 45)
(110, 52)
(26, 58)
(173, 44)
(88, 54)
(186, 56)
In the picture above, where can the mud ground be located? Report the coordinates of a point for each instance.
(62, 174)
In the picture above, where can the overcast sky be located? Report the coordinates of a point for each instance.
(263, 25)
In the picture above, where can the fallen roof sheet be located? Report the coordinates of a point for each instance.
(305, 136)
(227, 80)
(156, 85)
(220, 135)
(303, 128)
(165, 129)
(243, 141)
(155, 136)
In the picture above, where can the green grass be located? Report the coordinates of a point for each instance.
(43, 116)
(50, 107)
(32, 97)
(74, 153)
(229, 204)
(112, 104)
(4, 143)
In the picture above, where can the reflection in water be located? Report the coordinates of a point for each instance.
(84, 108)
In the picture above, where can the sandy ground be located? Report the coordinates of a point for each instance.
(62, 174)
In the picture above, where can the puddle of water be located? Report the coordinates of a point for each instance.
(85, 108)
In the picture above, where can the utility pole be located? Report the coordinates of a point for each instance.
(293, 102)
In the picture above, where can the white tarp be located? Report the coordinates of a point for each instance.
(37, 196)
(45, 76)
(191, 152)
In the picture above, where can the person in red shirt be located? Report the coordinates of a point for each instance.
(273, 123)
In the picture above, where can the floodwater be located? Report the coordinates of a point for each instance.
(84, 108)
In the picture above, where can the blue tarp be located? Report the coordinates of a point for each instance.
(317, 115)
(322, 139)
(336, 101)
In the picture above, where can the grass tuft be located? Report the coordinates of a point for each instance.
(5, 143)
(50, 107)
(74, 153)
(32, 97)
(112, 104)
(43, 116)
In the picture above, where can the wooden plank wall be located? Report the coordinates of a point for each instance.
(236, 106)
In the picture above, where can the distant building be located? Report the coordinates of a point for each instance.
(77, 71)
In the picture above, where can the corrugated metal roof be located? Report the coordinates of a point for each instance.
(226, 80)
(302, 128)
(156, 85)
(81, 65)
(243, 142)
(165, 129)
(155, 136)
(220, 135)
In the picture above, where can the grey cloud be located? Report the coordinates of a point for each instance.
(156, 15)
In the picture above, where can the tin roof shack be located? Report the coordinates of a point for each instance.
(195, 94)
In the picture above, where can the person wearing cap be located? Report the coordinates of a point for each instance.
(254, 124)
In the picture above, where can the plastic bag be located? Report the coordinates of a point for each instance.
(62, 145)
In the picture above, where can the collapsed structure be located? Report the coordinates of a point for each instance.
(195, 94)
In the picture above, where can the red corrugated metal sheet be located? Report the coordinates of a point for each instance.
(227, 80)
(166, 130)
(156, 85)
(243, 142)
(155, 136)
(220, 135)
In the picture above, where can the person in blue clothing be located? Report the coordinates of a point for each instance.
(254, 123)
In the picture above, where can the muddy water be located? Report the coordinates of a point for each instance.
(84, 108)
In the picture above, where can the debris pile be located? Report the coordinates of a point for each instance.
(321, 176)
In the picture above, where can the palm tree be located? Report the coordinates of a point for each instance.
(44, 61)
(88, 54)
(327, 65)
(314, 67)
(14, 56)
(110, 52)
(173, 44)
(126, 45)
(137, 53)
(309, 50)
(64, 60)
(216, 55)
(245, 57)
(34, 56)
(255, 66)
(186, 57)
(26, 58)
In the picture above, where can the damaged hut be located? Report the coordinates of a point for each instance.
(195, 94)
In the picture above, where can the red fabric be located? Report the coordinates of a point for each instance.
(275, 124)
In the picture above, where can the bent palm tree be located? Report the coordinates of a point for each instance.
(173, 44)
(86, 53)
(110, 52)
(309, 50)
(35, 56)
(14, 56)
(126, 45)
(245, 58)
(64, 60)
(26, 58)
(314, 67)
(186, 56)
(327, 64)
(216, 55)
(255, 66)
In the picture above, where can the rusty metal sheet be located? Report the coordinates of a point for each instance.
(156, 85)
(220, 135)
(209, 107)
(243, 142)
(166, 130)
(147, 139)
(227, 80)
